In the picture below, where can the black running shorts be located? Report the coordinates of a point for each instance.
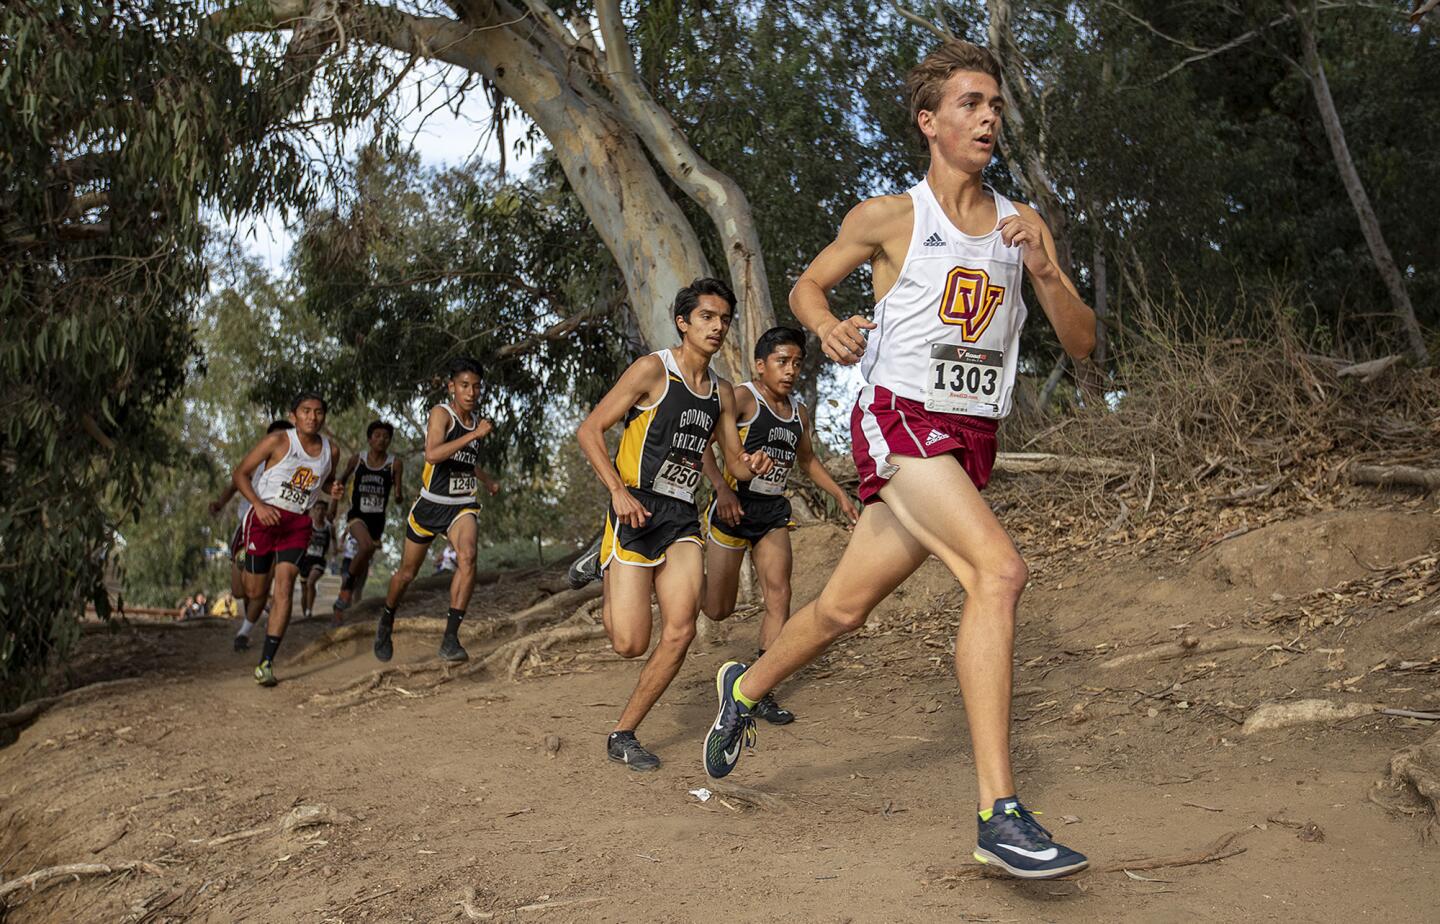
(374, 523)
(670, 521)
(309, 562)
(761, 515)
(428, 519)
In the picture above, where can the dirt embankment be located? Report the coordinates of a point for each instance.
(442, 796)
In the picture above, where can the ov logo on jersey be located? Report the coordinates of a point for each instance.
(970, 301)
(297, 489)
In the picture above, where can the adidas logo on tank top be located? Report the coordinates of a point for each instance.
(948, 332)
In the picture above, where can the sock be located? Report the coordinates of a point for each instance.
(272, 645)
(741, 698)
(987, 813)
(387, 618)
(452, 622)
(246, 628)
(623, 733)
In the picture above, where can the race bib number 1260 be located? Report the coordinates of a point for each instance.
(965, 380)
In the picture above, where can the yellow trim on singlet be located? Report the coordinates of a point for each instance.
(630, 456)
(425, 475)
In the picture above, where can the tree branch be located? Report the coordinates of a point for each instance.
(719, 195)
(941, 32)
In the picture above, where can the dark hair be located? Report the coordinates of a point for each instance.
(308, 396)
(687, 298)
(776, 337)
(277, 425)
(464, 364)
(378, 425)
(926, 80)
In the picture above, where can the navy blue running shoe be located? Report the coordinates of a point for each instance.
(734, 726)
(1014, 841)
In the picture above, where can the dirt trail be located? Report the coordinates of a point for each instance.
(451, 794)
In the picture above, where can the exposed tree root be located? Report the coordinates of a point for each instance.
(1219, 850)
(472, 913)
(27, 713)
(430, 674)
(551, 607)
(1190, 645)
(513, 654)
(1271, 716)
(42, 877)
(418, 625)
(1417, 768)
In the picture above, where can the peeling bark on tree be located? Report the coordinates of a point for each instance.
(604, 128)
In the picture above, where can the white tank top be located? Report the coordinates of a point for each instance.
(292, 483)
(948, 332)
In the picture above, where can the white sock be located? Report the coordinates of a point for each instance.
(245, 629)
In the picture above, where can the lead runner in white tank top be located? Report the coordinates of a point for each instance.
(979, 306)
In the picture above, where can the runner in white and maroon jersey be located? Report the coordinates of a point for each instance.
(946, 259)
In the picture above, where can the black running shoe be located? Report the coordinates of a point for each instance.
(734, 726)
(384, 647)
(1014, 841)
(769, 710)
(241, 643)
(452, 650)
(586, 569)
(623, 748)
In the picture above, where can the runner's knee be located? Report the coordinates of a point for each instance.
(1004, 578)
(678, 635)
(840, 617)
(629, 644)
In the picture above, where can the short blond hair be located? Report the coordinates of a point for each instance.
(926, 81)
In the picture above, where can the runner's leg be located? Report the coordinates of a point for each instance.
(772, 559)
(626, 610)
(963, 533)
(677, 588)
(722, 579)
(462, 537)
(880, 556)
(284, 593)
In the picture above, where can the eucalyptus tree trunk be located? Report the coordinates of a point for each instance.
(607, 133)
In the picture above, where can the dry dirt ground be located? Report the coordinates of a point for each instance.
(447, 803)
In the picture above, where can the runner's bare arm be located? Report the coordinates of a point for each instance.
(269, 450)
(727, 432)
(436, 448)
(399, 480)
(350, 467)
(637, 385)
(336, 486)
(863, 236)
(218, 503)
(492, 487)
(727, 503)
(1072, 319)
(818, 473)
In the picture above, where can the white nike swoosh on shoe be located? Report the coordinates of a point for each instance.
(731, 755)
(1049, 853)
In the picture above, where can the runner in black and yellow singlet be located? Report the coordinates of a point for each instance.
(376, 474)
(446, 506)
(672, 405)
(754, 515)
(659, 460)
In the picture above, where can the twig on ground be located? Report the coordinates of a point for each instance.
(1219, 850)
(1190, 645)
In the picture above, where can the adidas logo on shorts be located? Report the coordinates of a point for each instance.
(934, 437)
(935, 240)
